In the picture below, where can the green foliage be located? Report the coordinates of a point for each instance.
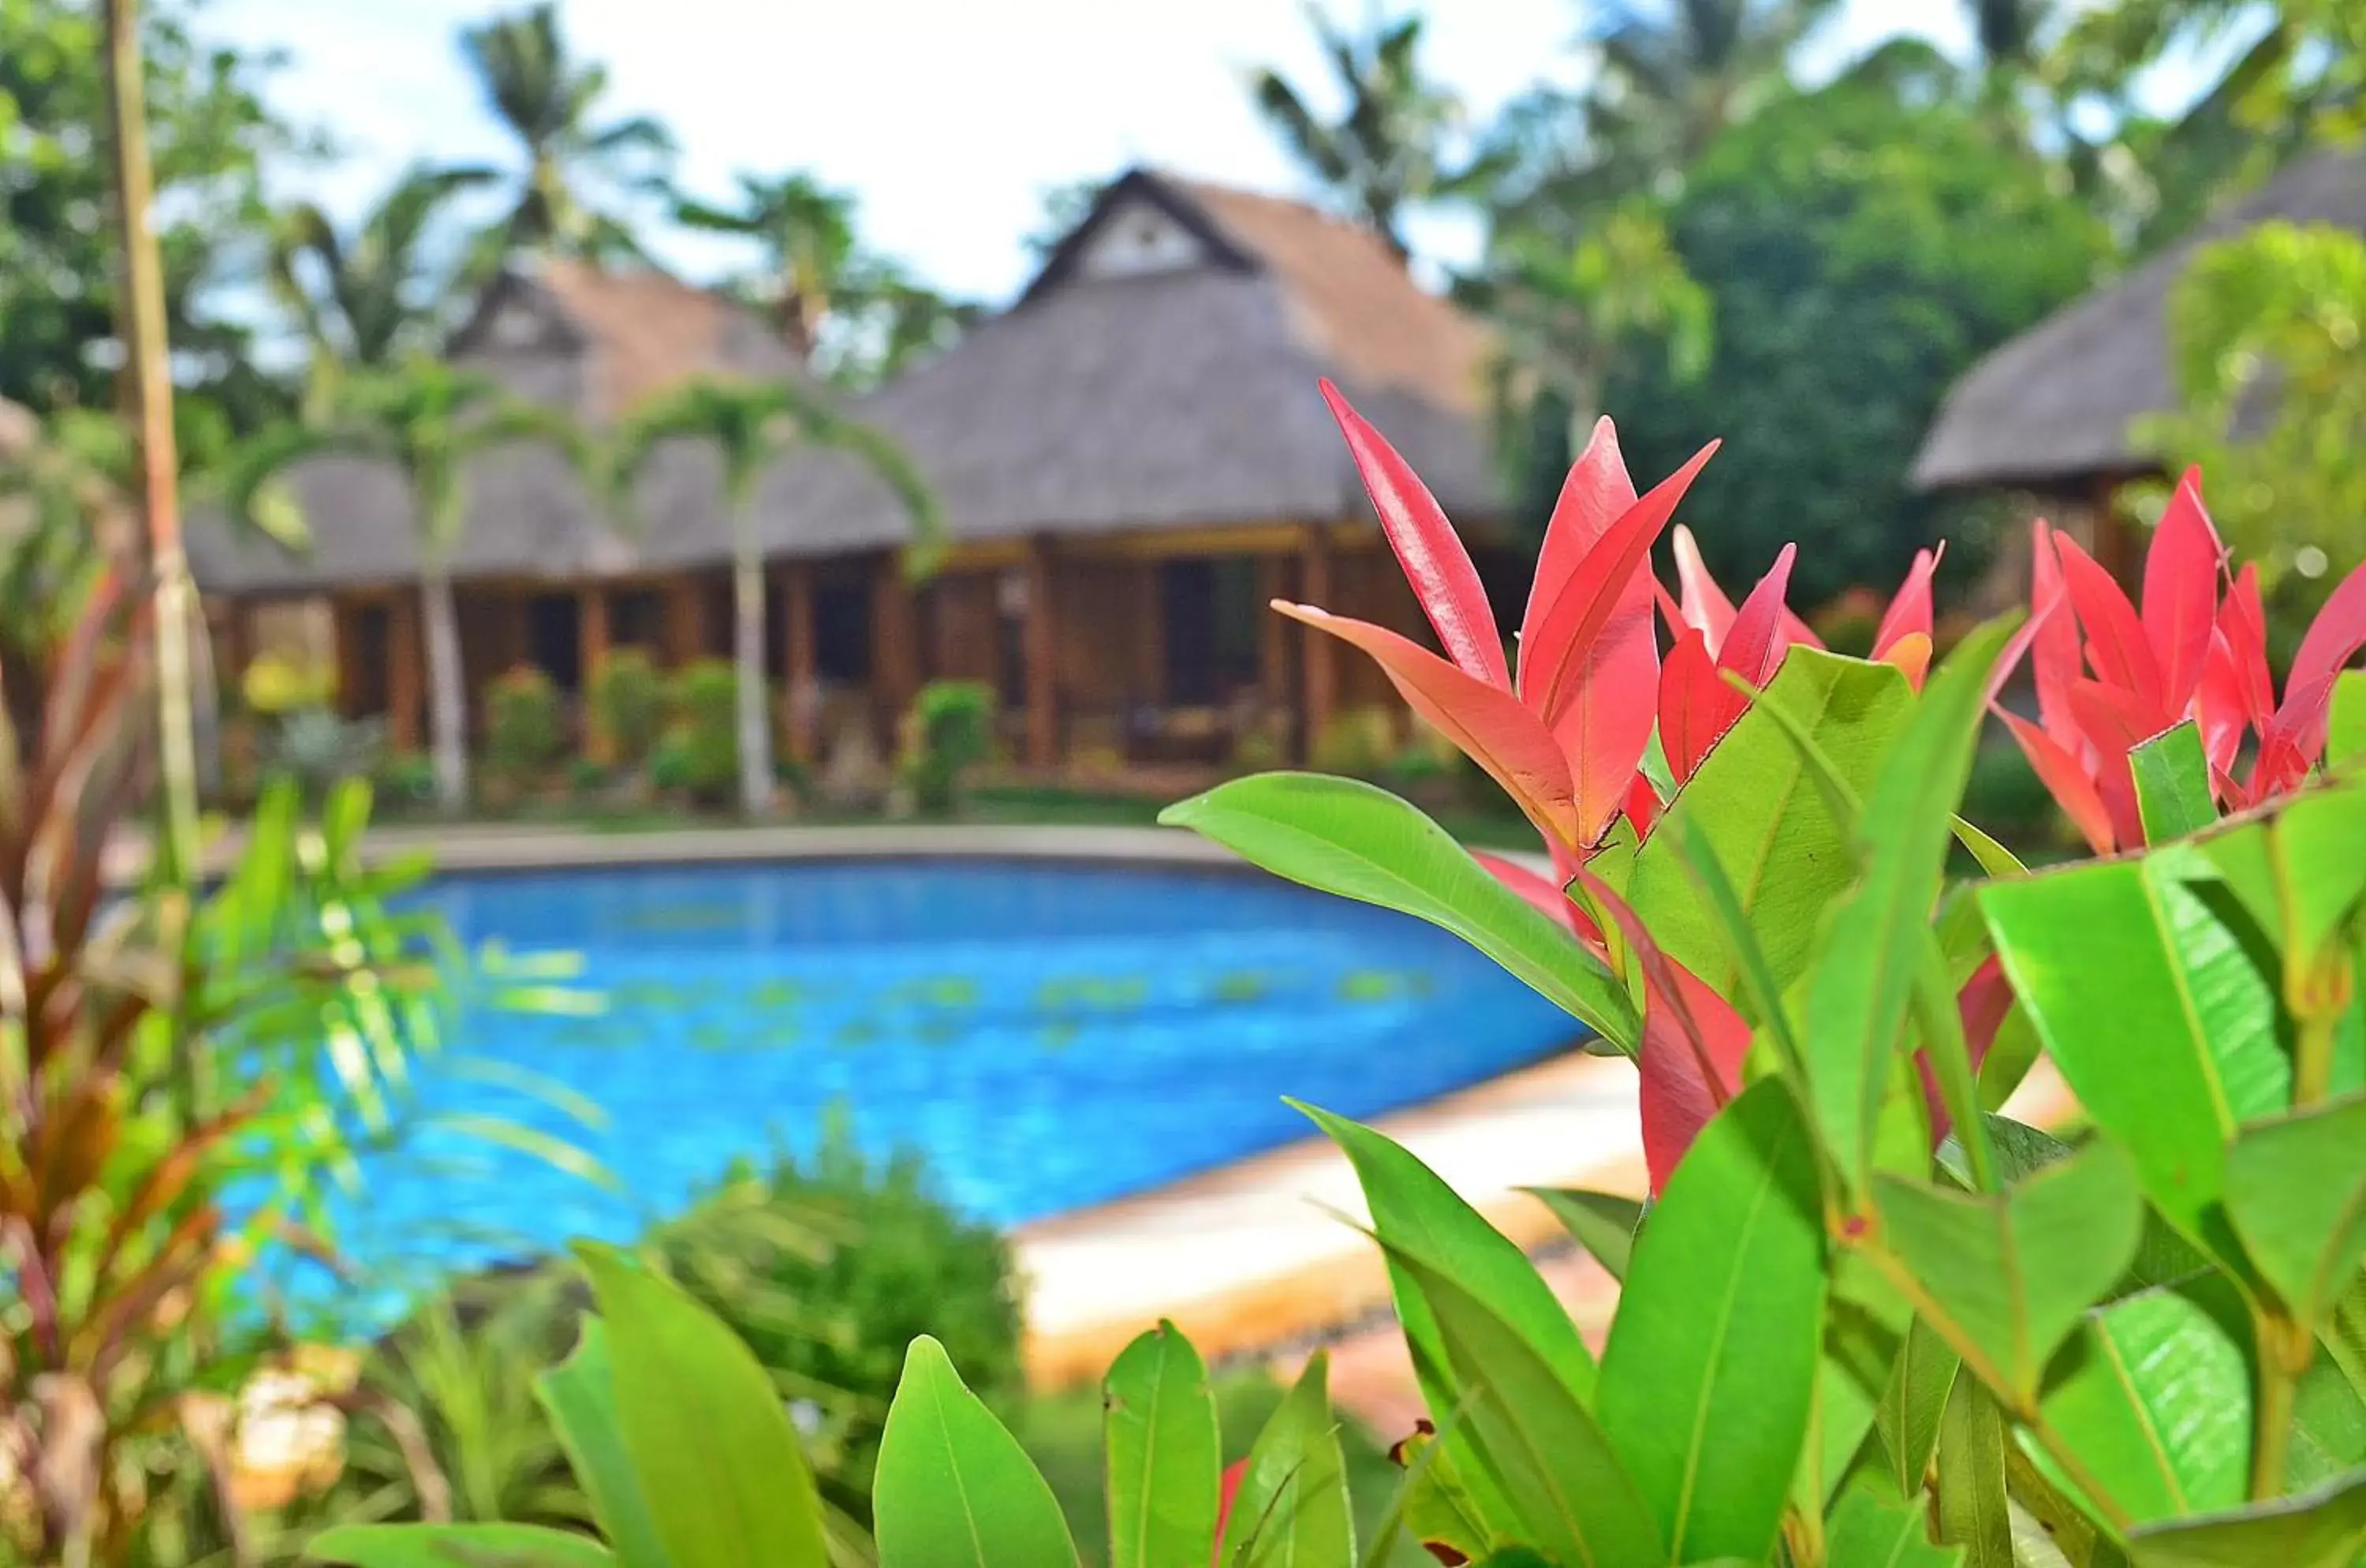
(1163, 1447)
(2265, 329)
(949, 731)
(628, 706)
(1861, 250)
(700, 752)
(829, 1269)
(1360, 743)
(526, 729)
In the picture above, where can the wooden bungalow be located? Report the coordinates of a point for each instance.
(1131, 461)
(2051, 411)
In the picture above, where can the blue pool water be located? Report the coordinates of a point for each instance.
(1048, 1035)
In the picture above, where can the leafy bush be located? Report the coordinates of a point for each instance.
(407, 779)
(948, 732)
(1358, 743)
(628, 700)
(706, 731)
(525, 727)
(585, 777)
(317, 749)
(880, 1259)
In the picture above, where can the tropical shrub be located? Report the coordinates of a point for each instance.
(828, 1267)
(627, 705)
(705, 733)
(949, 732)
(317, 749)
(407, 779)
(525, 727)
(161, 1058)
(1865, 1319)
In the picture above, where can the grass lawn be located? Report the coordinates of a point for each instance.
(1063, 1434)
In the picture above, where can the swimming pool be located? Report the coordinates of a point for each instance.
(1049, 1035)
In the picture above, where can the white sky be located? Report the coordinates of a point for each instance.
(949, 118)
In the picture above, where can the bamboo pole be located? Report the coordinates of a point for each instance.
(148, 399)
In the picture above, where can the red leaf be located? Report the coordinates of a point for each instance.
(1486, 722)
(1596, 494)
(2181, 593)
(1428, 548)
(2115, 636)
(1705, 608)
(1755, 643)
(1909, 611)
(1983, 1002)
(1691, 697)
(2067, 783)
(1690, 1057)
(1644, 805)
(1579, 673)
(1542, 892)
(2117, 722)
(2243, 622)
(1228, 1486)
(2053, 663)
(2221, 706)
(2334, 638)
(1911, 653)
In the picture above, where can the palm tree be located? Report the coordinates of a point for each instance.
(806, 234)
(429, 422)
(1676, 74)
(547, 101)
(368, 297)
(752, 425)
(1387, 151)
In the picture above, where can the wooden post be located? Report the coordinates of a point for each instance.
(1318, 652)
(682, 642)
(801, 677)
(1043, 651)
(346, 617)
(405, 656)
(2116, 547)
(238, 645)
(591, 652)
(895, 636)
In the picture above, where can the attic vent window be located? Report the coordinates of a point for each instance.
(514, 329)
(1139, 240)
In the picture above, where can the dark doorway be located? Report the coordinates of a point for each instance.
(368, 690)
(554, 640)
(636, 619)
(842, 628)
(1210, 612)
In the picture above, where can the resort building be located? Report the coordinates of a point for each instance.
(1131, 461)
(2052, 414)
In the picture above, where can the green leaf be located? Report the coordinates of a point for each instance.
(580, 1396)
(1603, 1222)
(2154, 1399)
(1863, 975)
(1358, 841)
(1973, 1511)
(1770, 828)
(2004, 1277)
(1432, 1503)
(455, 1546)
(1569, 1491)
(2296, 1193)
(954, 1489)
(1710, 1370)
(1415, 1214)
(1291, 1509)
(2346, 734)
(2321, 1529)
(2172, 779)
(1913, 1403)
(2160, 1019)
(2329, 1425)
(1868, 1529)
(1164, 1454)
(1994, 858)
(718, 1460)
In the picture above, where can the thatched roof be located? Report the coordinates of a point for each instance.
(1169, 384)
(2052, 408)
(563, 334)
(1178, 387)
